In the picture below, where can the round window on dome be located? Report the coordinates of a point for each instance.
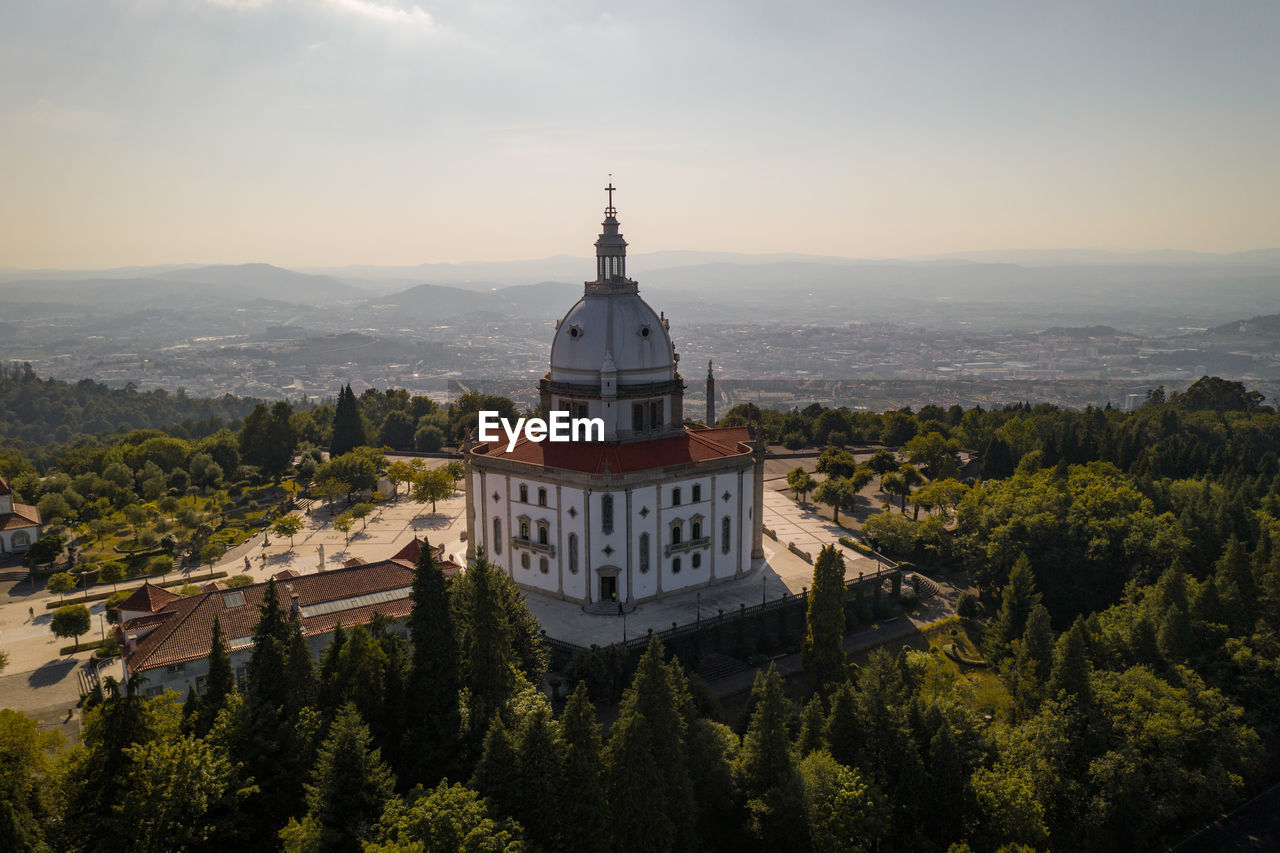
(575, 331)
(644, 331)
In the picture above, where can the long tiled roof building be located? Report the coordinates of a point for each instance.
(166, 637)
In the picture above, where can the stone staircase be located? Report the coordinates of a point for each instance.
(925, 588)
(606, 608)
(716, 666)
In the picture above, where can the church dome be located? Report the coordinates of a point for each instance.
(615, 323)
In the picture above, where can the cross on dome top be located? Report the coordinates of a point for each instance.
(610, 210)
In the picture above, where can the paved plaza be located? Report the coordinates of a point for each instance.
(39, 679)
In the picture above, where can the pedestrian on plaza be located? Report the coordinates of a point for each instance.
(32, 612)
(247, 565)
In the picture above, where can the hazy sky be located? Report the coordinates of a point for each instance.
(327, 132)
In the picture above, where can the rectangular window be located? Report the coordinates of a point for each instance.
(542, 497)
(606, 513)
(675, 497)
(644, 553)
(655, 415)
(675, 566)
(697, 492)
(637, 417)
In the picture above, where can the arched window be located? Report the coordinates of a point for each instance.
(724, 535)
(696, 560)
(497, 536)
(644, 553)
(675, 497)
(697, 492)
(524, 493)
(524, 561)
(542, 565)
(695, 530)
(21, 539)
(675, 566)
(675, 534)
(606, 513)
(542, 497)
(573, 553)
(524, 530)
(542, 534)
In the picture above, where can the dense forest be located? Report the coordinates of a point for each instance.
(1129, 572)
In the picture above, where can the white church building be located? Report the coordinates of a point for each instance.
(656, 507)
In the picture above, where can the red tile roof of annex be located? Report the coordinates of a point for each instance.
(695, 445)
(184, 635)
(22, 516)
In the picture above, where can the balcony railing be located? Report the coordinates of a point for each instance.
(535, 547)
(687, 545)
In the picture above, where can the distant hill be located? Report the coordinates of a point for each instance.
(264, 281)
(1082, 332)
(1266, 325)
(436, 302)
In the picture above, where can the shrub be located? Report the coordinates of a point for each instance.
(159, 565)
(967, 605)
(237, 581)
(907, 596)
(189, 589)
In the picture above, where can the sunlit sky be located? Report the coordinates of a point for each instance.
(331, 132)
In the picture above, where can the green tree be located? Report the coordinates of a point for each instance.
(842, 812)
(180, 794)
(1071, 670)
(398, 472)
(580, 738)
(219, 684)
(800, 482)
(540, 781)
(61, 583)
(343, 525)
(288, 525)
(813, 720)
(496, 771)
(348, 790)
(447, 819)
(348, 424)
(1017, 600)
(44, 550)
(882, 462)
(433, 678)
(71, 620)
(485, 643)
(111, 572)
(210, 555)
(24, 766)
(765, 772)
(432, 485)
(824, 621)
(646, 776)
(269, 438)
(838, 494)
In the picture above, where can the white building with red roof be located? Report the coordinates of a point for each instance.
(20, 524)
(657, 506)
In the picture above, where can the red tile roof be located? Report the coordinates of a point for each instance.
(148, 598)
(696, 445)
(408, 556)
(184, 635)
(22, 516)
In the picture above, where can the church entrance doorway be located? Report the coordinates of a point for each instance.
(608, 587)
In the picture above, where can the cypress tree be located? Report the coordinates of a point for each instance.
(844, 732)
(299, 672)
(946, 794)
(349, 786)
(348, 424)
(487, 653)
(1017, 599)
(330, 688)
(432, 687)
(540, 780)
(813, 720)
(495, 774)
(1142, 641)
(1070, 673)
(218, 684)
(1037, 643)
(646, 777)
(583, 798)
(824, 635)
(1174, 637)
(765, 771)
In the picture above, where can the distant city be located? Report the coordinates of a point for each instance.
(781, 333)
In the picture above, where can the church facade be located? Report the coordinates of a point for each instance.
(656, 507)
